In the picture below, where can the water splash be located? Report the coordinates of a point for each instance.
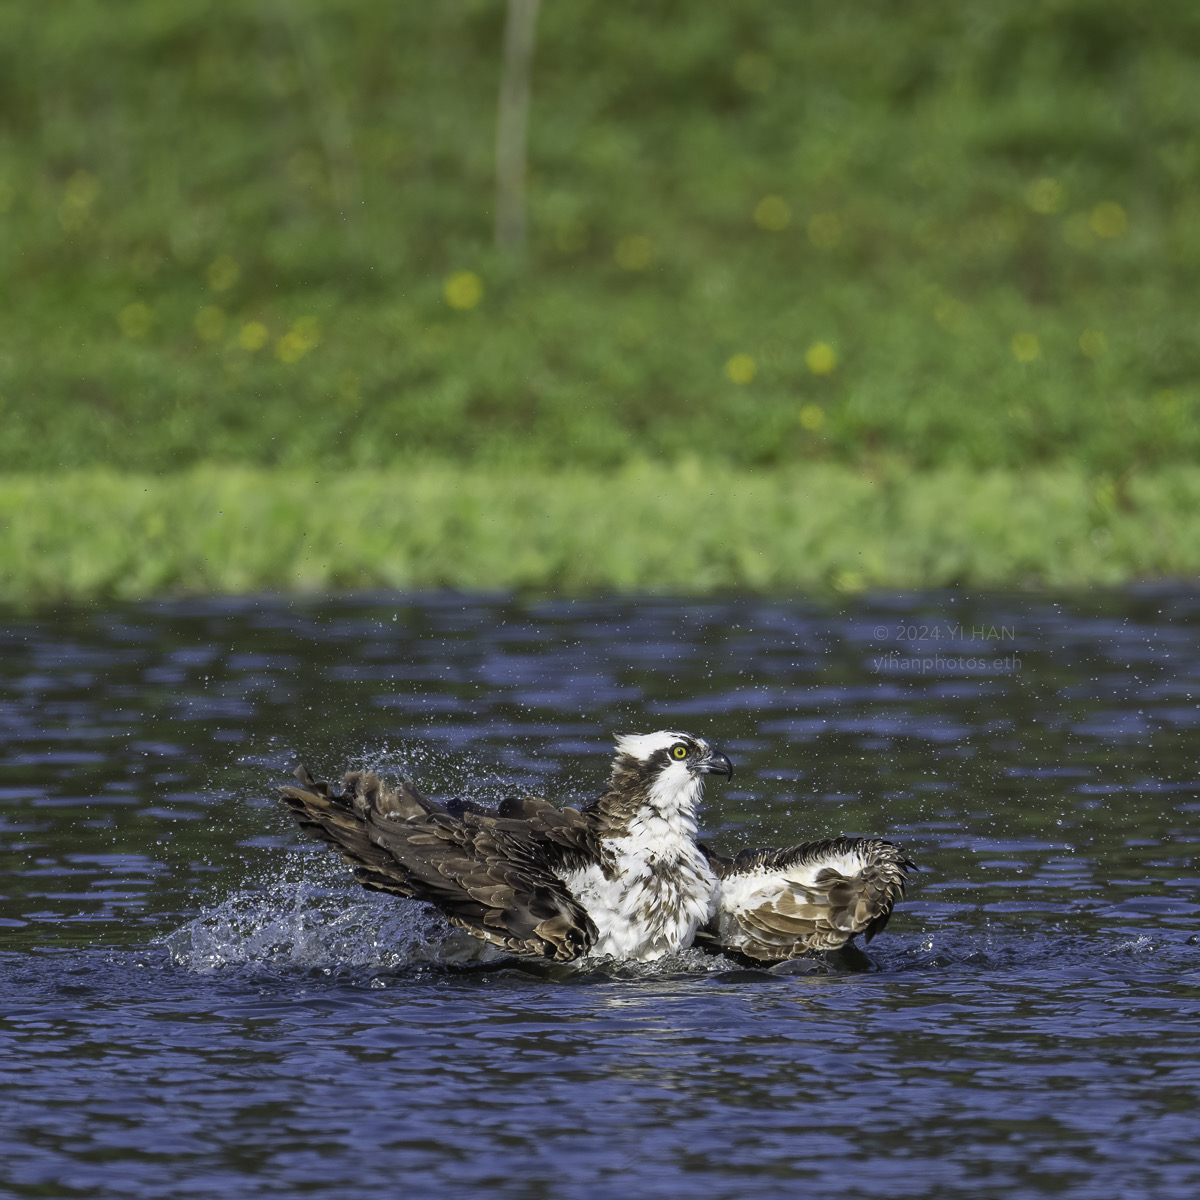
(300, 923)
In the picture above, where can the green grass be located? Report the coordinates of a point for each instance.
(689, 529)
(171, 174)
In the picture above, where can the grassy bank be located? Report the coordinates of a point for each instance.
(769, 232)
(691, 528)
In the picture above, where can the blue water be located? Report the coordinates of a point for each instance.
(195, 1001)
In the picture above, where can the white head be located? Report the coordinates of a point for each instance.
(665, 769)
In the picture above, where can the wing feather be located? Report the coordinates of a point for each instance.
(489, 874)
(781, 903)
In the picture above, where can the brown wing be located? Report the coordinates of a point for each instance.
(779, 904)
(489, 874)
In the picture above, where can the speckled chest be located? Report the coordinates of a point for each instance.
(650, 891)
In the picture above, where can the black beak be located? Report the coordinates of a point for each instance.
(717, 764)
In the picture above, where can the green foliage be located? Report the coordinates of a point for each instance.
(226, 229)
(689, 528)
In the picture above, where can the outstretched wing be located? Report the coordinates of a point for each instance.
(488, 873)
(778, 904)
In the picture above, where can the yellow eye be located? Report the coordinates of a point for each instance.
(679, 750)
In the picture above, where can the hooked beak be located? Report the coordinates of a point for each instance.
(715, 763)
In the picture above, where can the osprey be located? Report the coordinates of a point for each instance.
(622, 877)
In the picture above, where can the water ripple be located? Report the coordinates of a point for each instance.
(195, 1001)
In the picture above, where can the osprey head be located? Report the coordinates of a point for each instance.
(666, 761)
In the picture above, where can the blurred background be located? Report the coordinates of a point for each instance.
(897, 238)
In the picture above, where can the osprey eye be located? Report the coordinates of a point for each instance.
(679, 750)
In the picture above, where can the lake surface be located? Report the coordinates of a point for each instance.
(194, 1001)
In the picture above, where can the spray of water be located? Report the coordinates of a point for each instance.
(309, 919)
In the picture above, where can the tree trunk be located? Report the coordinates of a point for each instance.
(513, 124)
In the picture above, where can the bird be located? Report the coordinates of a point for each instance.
(622, 877)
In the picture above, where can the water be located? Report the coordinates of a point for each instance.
(194, 1001)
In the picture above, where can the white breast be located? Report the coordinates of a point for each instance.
(658, 891)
